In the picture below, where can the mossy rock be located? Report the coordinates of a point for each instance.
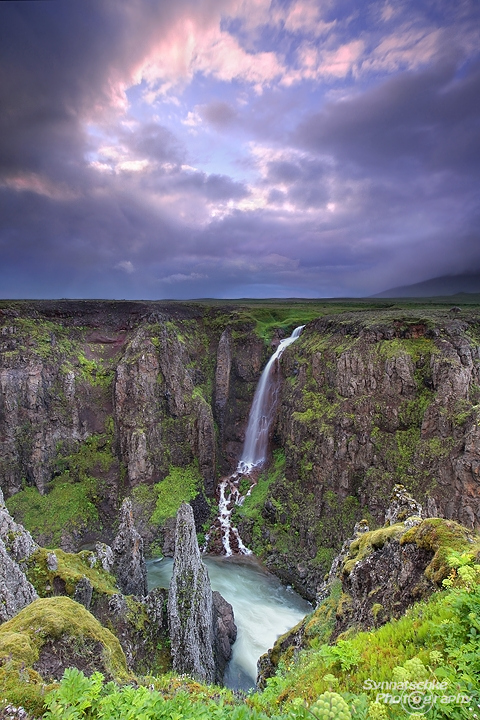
(441, 537)
(47, 636)
(71, 568)
(367, 543)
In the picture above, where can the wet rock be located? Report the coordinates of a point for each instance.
(128, 559)
(225, 633)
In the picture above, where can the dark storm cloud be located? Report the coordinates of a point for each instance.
(430, 118)
(103, 194)
(214, 187)
(155, 142)
(218, 113)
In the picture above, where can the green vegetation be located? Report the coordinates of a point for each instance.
(28, 635)
(180, 485)
(70, 569)
(436, 641)
(66, 506)
(431, 652)
(71, 501)
(416, 348)
(95, 373)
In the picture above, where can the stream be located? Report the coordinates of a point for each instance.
(264, 608)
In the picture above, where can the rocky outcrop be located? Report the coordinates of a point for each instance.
(141, 626)
(224, 633)
(18, 542)
(376, 577)
(15, 590)
(16, 546)
(402, 506)
(190, 604)
(201, 626)
(128, 559)
(159, 419)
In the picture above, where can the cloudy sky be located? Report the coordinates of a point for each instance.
(237, 148)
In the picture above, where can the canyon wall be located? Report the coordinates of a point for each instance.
(108, 397)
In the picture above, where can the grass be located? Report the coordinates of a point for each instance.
(72, 497)
(180, 485)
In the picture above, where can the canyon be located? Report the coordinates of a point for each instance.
(103, 400)
(116, 415)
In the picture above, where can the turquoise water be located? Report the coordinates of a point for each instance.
(264, 608)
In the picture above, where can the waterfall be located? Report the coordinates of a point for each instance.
(254, 451)
(263, 410)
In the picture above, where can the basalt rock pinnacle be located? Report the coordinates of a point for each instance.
(128, 559)
(199, 642)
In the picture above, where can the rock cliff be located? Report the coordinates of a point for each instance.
(369, 400)
(16, 546)
(100, 400)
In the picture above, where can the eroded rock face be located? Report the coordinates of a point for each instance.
(190, 604)
(222, 379)
(402, 506)
(128, 559)
(366, 404)
(16, 546)
(202, 627)
(15, 590)
(225, 633)
(18, 542)
(384, 584)
(142, 628)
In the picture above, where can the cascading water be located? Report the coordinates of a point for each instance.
(262, 411)
(255, 448)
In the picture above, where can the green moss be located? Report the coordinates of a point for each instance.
(253, 504)
(367, 543)
(95, 373)
(416, 348)
(180, 485)
(71, 568)
(45, 620)
(71, 500)
(45, 338)
(67, 505)
(440, 537)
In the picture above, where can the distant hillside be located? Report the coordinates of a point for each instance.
(439, 286)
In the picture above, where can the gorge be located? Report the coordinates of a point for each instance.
(103, 403)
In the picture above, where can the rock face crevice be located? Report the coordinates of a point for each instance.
(128, 564)
(201, 626)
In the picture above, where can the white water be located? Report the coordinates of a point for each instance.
(255, 448)
(262, 411)
(264, 609)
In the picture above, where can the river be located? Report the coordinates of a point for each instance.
(264, 608)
